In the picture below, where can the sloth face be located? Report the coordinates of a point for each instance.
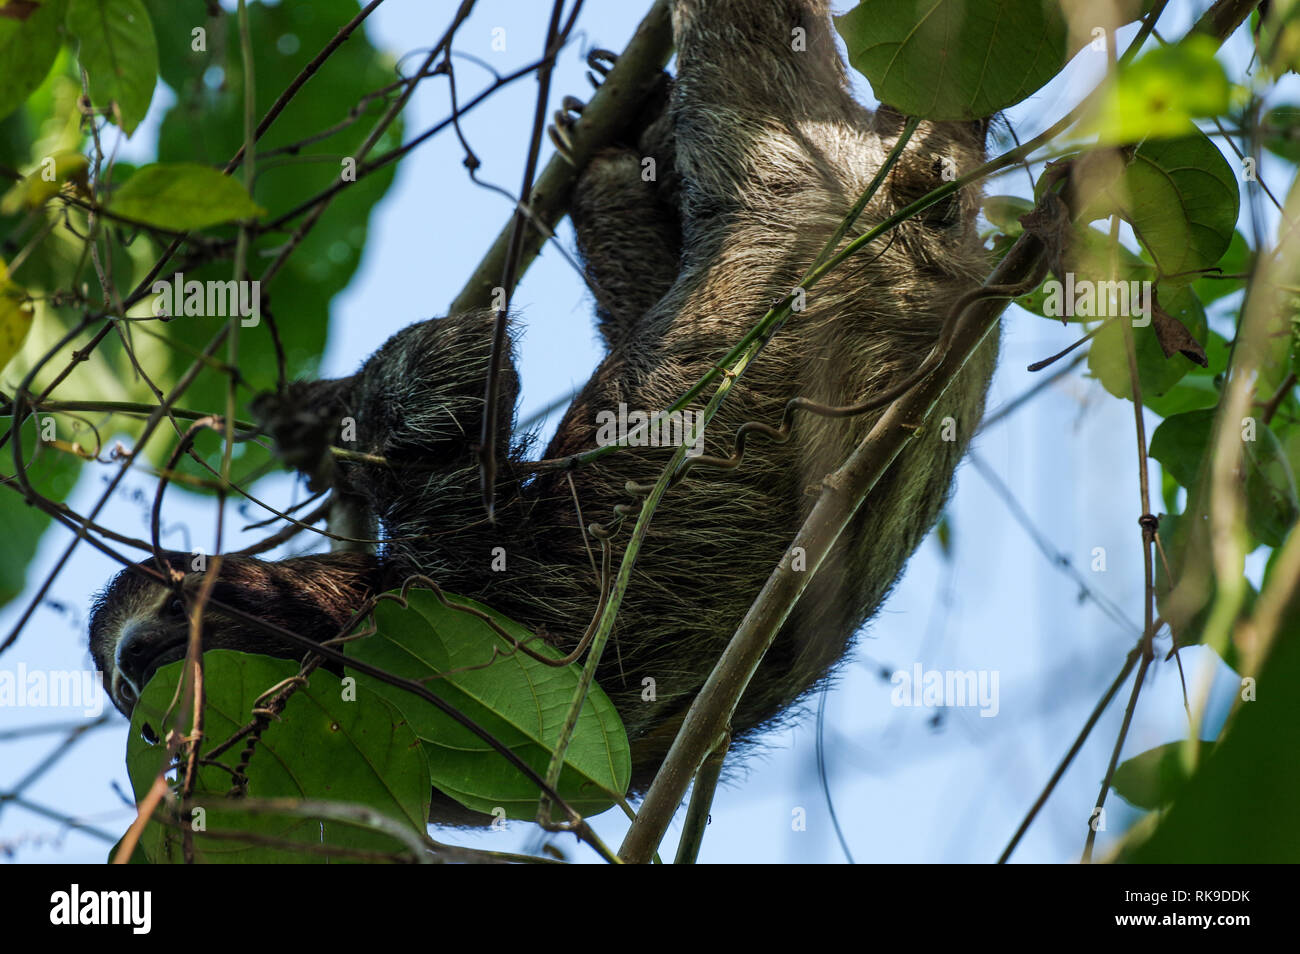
(138, 624)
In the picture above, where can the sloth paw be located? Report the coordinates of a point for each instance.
(570, 111)
(302, 428)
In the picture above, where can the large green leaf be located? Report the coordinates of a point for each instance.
(954, 59)
(1182, 442)
(1155, 777)
(1157, 374)
(206, 126)
(27, 51)
(520, 700)
(116, 47)
(321, 747)
(1240, 804)
(1159, 94)
(183, 196)
(1181, 197)
(962, 59)
(1235, 262)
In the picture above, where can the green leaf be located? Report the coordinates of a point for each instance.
(1182, 537)
(138, 856)
(934, 60)
(206, 126)
(1181, 442)
(1279, 132)
(322, 747)
(1200, 387)
(521, 701)
(1291, 444)
(46, 181)
(52, 473)
(1089, 258)
(117, 49)
(15, 317)
(1278, 37)
(1108, 357)
(1004, 211)
(1160, 93)
(1271, 504)
(1154, 778)
(1180, 196)
(27, 51)
(1191, 393)
(1237, 260)
(182, 196)
(1240, 805)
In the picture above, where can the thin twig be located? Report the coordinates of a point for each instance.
(487, 448)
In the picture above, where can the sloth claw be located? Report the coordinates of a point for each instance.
(601, 61)
(566, 117)
(559, 133)
(571, 108)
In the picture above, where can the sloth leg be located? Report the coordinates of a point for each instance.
(629, 241)
(759, 87)
(624, 211)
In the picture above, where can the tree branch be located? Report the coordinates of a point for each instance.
(646, 54)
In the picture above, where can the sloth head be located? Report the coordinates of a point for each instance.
(138, 623)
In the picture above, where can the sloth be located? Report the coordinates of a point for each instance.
(760, 150)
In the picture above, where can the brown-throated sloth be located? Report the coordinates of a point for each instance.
(761, 151)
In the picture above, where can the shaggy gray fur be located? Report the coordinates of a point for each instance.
(761, 151)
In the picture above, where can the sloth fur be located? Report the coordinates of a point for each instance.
(761, 150)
